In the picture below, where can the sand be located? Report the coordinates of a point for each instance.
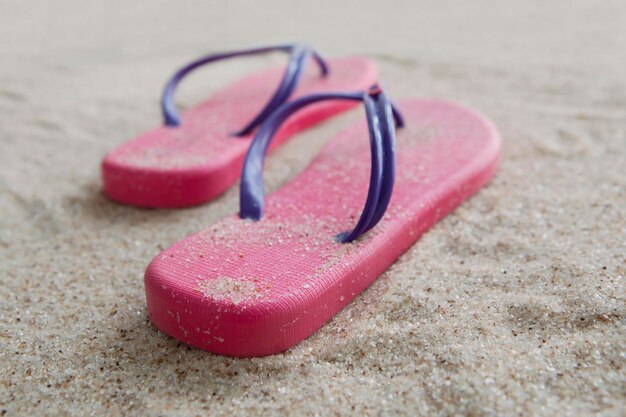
(512, 305)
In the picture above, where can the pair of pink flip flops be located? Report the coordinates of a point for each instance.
(260, 281)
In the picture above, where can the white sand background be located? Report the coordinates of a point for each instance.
(512, 305)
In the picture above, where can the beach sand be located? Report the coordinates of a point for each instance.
(512, 305)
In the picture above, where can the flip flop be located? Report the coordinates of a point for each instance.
(258, 283)
(196, 156)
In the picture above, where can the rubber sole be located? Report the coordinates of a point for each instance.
(243, 288)
(173, 167)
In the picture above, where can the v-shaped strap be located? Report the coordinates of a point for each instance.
(299, 55)
(380, 118)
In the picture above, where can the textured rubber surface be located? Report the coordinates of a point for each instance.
(190, 164)
(244, 288)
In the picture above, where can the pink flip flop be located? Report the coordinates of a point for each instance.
(195, 157)
(258, 283)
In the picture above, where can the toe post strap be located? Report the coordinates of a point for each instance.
(299, 56)
(382, 119)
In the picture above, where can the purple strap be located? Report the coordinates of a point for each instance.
(299, 55)
(380, 114)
